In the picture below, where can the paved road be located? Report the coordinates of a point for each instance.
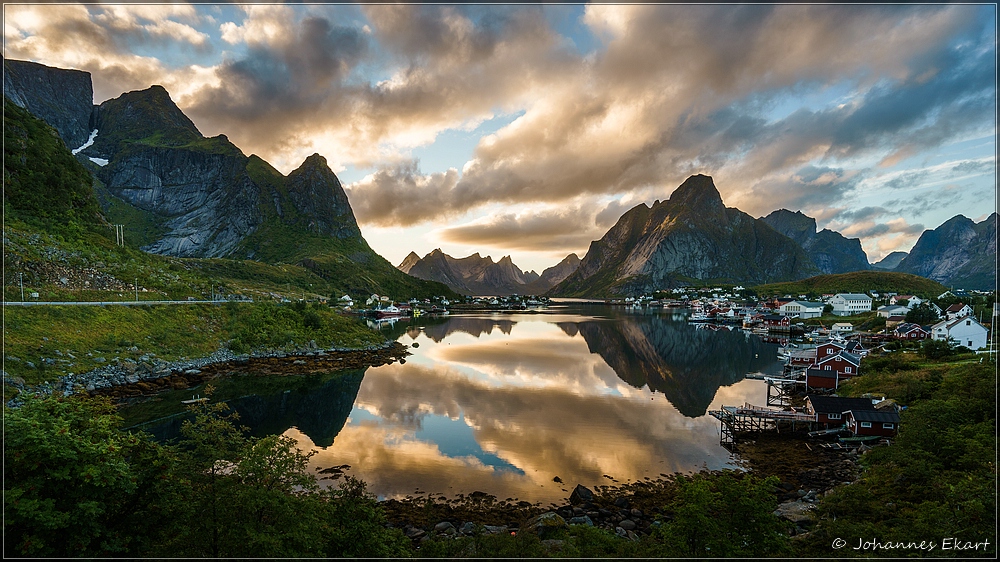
(106, 303)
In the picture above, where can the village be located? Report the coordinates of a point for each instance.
(818, 358)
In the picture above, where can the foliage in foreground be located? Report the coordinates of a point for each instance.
(76, 485)
(937, 480)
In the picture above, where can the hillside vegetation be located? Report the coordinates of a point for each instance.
(856, 282)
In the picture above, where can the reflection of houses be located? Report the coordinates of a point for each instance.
(965, 331)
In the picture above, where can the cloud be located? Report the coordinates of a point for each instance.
(668, 92)
(402, 196)
(556, 230)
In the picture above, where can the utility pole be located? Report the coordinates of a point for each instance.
(20, 278)
(136, 289)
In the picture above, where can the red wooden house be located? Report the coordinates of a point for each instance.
(845, 363)
(872, 422)
(828, 349)
(831, 409)
(910, 331)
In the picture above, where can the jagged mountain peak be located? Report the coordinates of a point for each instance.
(698, 192)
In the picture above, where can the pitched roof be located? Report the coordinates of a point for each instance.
(838, 404)
(853, 296)
(878, 416)
(849, 357)
(955, 307)
(908, 327)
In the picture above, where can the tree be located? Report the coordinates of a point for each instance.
(75, 484)
(922, 314)
(938, 349)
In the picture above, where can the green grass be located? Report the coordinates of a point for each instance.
(856, 282)
(83, 334)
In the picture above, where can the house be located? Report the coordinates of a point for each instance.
(856, 348)
(830, 409)
(965, 331)
(828, 349)
(823, 379)
(958, 310)
(911, 301)
(889, 311)
(842, 328)
(863, 422)
(893, 321)
(802, 358)
(909, 331)
(847, 364)
(802, 309)
(846, 304)
(777, 322)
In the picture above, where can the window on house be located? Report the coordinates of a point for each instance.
(833, 416)
(847, 369)
(968, 322)
(888, 425)
(970, 344)
(827, 368)
(866, 424)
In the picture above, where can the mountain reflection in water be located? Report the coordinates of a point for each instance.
(504, 403)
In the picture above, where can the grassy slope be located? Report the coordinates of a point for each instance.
(856, 282)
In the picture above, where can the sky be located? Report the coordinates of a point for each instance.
(528, 130)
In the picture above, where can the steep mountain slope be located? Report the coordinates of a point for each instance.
(554, 275)
(62, 98)
(190, 196)
(829, 250)
(959, 253)
(690, 237)
(890, 262)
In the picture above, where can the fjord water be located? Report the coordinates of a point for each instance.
(505, 402)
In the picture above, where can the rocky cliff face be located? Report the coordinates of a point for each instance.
(959, 253)
(690, 237)
(476, 275)
(62, 98)
(554, 275)
(203, 195)
(829, 250)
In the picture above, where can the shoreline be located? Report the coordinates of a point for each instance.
(150, 375)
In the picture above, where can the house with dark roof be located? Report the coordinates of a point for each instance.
(831, 409)
(958, 310)
(847, 364)
(863, 422)
(910, 331)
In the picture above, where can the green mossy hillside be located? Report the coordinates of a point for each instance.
(857, 282)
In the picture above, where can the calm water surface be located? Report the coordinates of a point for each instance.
(504, 403)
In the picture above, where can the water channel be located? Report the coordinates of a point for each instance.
(506, 402)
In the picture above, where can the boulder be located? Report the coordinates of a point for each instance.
(798, 512)
(580, 495)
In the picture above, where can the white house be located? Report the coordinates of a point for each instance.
(958, 310)
(965, 331)
(802, 309)
(892, 310)
(911, 301)
(846, 304)
(842, 328)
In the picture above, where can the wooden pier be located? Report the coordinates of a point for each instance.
(755, 419)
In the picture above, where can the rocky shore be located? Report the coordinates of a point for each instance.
(149, 375)
(806, 472)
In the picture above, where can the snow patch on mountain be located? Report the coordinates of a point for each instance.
(90, 141)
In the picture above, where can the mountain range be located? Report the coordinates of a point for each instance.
(137, 160)
(181, 194)
(476, 275)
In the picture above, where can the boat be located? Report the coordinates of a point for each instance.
(390, 311)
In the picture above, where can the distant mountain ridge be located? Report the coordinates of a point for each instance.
(831, 251)
(476, 275)
(182, 194)
(691, 237)
(890, 262)
(959, 253)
